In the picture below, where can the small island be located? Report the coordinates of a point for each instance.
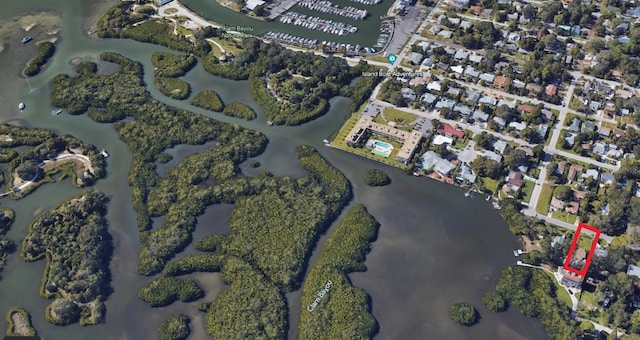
(208, 100)
(167, 68)
(46, 50)
(6, 245)
(463, 314)
(77, 246)
(176, 327)
(376, 178)
(19, 321)
(165, 290)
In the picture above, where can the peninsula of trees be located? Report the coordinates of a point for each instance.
(6, 244)
(77, 246)
(332, 308)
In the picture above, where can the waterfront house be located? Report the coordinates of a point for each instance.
(466, 174)
(515, 180)
(431, 161)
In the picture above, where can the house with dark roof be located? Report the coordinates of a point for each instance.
(588, 126)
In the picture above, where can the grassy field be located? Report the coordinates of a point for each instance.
(490, 184)
(527, 190)
(564, 216)
(545, 199)
(184, 31)
(340, 143)
(169, 11)
(562, 293)
(585, 241)
(399, 116)
(378, 58)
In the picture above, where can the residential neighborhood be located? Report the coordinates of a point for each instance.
(512, 99)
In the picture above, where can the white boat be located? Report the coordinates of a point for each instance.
(488, 198)
(326, 141)
(21, 106)
(56, 112)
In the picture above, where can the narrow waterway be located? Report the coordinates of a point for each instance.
(435, 247)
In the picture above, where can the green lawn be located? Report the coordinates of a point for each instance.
(461, 143)
(527, 190)
(561, 292)
(490, 184)
(545, 199)
(184, 31)
(585, 242)
(169, 11)
(564, 216)
(404, 120)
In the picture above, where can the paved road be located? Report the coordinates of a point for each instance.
(535, 195)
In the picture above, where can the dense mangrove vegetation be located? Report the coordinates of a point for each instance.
(164, 291)
(208, 100)
(176, 327)
(6, 244)
(19, 323)
(173, 88)
(74, 239)
(463, 314)
(376, 178)
(292, 87)
(46, 50)
(172, 65)
(331, 307)
(533, 293)
(239, 110)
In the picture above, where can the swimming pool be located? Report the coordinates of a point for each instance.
(383, 145)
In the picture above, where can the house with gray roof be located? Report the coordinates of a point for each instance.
(543, 129)
(518, 84)
(462, 109)
(500, 121)
(588, 126)
(461, 55)
(408, 94)
(453, 92)
(575, 125)
(599, 148)
(500, 146)
(593, 173)
(472, 96)
(444, 102)
(518, 126)
(493, 156)
(479, 115)
(471, 72)
(475, 58)
(488, 100)
(487, 77)
(428, 99)
(508, 103)
(415, 58)
(466, 174)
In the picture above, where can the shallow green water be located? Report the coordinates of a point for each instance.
(434, 248)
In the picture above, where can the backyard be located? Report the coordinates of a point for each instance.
(545, 199)
(527, 190)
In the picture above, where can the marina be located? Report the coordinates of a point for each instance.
(368, 2)
(289, 39)
(331, 8)
(317, 23)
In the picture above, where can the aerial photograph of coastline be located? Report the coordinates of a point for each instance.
(320, 169)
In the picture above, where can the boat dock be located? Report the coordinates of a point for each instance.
(317, 23)
(289, 39)
(325, 6)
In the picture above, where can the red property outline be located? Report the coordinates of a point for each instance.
(574, 243)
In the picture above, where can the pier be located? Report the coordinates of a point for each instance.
(289, 39)
(325, 6)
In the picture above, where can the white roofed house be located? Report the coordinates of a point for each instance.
(408, 94)
(500, 146)
(415, 58)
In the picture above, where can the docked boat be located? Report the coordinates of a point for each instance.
(269, 123)
(326, 141)
(21, 106)
(56, 112)
(26, 40)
